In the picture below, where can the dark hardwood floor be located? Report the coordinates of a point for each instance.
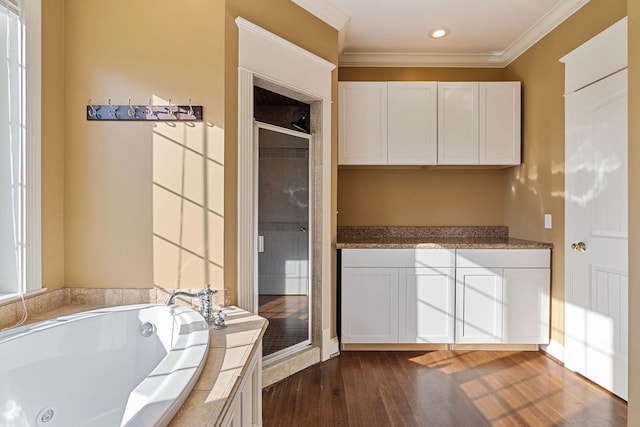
(440, 388)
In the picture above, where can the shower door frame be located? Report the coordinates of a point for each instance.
(306, 78)
(310, 229)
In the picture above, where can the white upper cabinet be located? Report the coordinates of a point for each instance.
(479, 123)
(412, 126)
(362, 118)
(458, 123)
(429, 123)
(499, 123)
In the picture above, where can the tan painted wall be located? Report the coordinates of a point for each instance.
(420, 196)
(633, 12)
(382, 74)
(142, 202)
(537, 186)
(287, 20)
(52, 144)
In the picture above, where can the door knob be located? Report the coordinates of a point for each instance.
(579, 247)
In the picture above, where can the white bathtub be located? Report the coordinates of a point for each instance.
(97, 369)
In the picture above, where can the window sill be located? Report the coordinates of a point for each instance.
(15, 297)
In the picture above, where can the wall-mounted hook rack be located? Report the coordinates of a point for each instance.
(147, 112)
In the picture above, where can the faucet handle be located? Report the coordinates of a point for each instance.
(218, 322)
(208, 291)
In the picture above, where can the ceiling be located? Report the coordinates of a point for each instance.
(483, 33)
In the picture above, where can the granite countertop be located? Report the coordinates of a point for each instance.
(441, 237)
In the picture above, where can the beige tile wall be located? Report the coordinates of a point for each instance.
(11, 313)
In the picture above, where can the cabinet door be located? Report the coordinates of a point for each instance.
(478, 305)
(426, 305)
(412, 123)
(458, 123)
(526, 306)
(499, 123)
(369, 305)
(362, 123)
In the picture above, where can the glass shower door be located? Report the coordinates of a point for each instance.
(283, 225)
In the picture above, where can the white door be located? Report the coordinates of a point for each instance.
(412, 123)
(525, 313)
(499, 138)
(596, 315)
(369, 305)
(362, 123)
(478, 305)
(426, 301)
(458, 123)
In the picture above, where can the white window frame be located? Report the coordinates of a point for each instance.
(33, 98)
(31, 276)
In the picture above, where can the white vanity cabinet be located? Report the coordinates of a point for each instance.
(479, 123)
(397, 296)
(387, 123)
(245, 408)
(502, 296)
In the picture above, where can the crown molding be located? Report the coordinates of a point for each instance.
(325, 11)
(353, 59)
(544, 26)
(334, 17)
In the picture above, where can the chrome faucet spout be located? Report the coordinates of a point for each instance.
(174, 294)
(206, 303)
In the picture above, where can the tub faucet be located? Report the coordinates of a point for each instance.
(206, 304)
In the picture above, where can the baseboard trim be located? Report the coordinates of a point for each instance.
(394, 347)
(330, 345)
(555, 350)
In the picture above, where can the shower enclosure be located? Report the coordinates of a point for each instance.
(284, 235)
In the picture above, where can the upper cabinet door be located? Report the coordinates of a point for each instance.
(412, 124)
(362, 123)
(457, 123)
(499, 123)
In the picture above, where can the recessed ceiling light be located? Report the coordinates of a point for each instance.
(439, 33)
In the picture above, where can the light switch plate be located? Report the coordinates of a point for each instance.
(547, 220)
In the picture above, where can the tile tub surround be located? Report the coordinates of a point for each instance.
(43, 302)
(37, 303)
(432, 237)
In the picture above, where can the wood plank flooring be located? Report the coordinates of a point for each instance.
(440, 388)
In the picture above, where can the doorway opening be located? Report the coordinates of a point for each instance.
(284, 197)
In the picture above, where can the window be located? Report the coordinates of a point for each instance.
(20, 257)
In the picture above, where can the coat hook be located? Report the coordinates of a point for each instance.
(92, 110)
(131, 111)
(190, 109)
(170, 109)
(113, 112)
(149, 108)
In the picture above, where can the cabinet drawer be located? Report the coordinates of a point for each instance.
(503, 258)
(398, 258)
